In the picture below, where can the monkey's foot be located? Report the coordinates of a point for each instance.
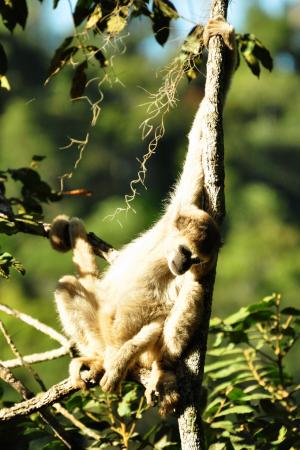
(219, 26)
(168, 394)
(151, 392)
(112, 378)
(94, 365)
(165, 387)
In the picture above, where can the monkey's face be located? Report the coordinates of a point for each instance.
(195, 243)
(181, 259)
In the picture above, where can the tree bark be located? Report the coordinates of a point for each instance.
(190, 372)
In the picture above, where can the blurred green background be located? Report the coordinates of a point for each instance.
(261, 253)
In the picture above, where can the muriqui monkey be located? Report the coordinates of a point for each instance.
(143, 310)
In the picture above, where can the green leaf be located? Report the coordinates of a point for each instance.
(7, 261)
(14, 12)
(82, 10)
(166, 8)
(281, 436)
(222, 363)
(290, 311)
(61, 57)
(240, 409)
(263, 55)
(224, 424)
(235, 394)
(231, 349)
(38, 158)
(125, 407)
(3, 61)
(7, 227)
(163, 12)
(79, 81)
(237, 317)
(228, 371)
(217, 446)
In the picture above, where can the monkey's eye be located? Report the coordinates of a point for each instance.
(185, 251)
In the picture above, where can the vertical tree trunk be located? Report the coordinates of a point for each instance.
(190, 372)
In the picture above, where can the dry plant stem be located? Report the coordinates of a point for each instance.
(46, 416)
(9, 378)
(35, 324)
(54, 394)
(34, 404)
(37, 357)
(87, 431)
(191, 370)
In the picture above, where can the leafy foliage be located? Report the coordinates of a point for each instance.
(105, 20)
(24, 211)
(252, 400)
(254, 53)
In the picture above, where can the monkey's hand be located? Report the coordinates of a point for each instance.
(94, 365)
(112, 377)
(219, 26)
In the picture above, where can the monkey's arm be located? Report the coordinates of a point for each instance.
(183, 319)
(188, 190)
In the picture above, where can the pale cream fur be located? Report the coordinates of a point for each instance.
(140, 312)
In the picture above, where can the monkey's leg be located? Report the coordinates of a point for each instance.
(183, 319)
(128, 353)
(163, 384)
(77, 309)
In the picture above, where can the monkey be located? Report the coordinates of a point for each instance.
(143, 310)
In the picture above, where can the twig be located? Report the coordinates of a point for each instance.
(101, 248)
(37, 357)
(9, 378)
(86, 430)
(46, 416)
(20, 357)
(56, 393)
(36, 324)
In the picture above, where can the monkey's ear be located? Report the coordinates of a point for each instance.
(59, 234)
(181, 222)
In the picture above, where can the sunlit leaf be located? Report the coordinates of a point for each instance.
(125, 407)
(116, 23)
(94, 17)
(239, 409)
(4, 83)
(167, 8)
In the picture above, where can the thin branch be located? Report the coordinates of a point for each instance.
(49, 331)
(101, 248)
(37, 357)
(9, 378)
(86, 430)
(46, 416)
(56, 393)
(20, 357)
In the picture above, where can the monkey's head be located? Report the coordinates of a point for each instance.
(196, 243)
